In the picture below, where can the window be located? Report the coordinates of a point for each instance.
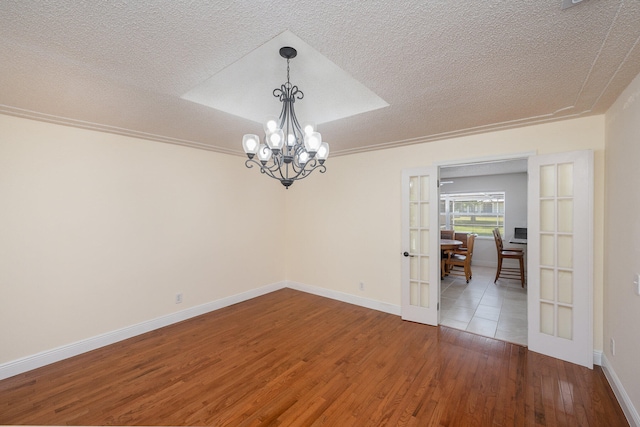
(477, 213)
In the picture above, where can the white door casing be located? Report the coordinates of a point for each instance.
(420, 246)
(560, 256)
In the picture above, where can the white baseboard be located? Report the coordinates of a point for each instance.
(348, 298)
(597, 357)
(618, 389)
(47, 357)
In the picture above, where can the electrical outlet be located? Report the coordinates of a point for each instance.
(636, 283)
(178, 298)
(613, 347)
(362, 286)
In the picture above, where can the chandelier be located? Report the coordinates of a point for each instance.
(288, 151)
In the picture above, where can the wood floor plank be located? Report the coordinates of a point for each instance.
(293, 359)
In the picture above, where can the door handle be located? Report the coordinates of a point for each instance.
(407, 254)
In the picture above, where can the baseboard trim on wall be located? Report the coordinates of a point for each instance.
(626, 404)
(344, 297)
(597, 357)
(47, 357)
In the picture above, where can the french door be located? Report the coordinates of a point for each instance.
(560, 256)
(560, 253)
(420, 246)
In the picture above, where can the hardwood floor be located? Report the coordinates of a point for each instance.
(294, 359)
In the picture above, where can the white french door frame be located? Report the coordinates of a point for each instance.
(560, 260)
(420, 250)
(553, 347)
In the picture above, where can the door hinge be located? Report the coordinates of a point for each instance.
(438, 306)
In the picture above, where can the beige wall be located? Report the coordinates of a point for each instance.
(622, 242)
(345, 225)
(100, 231)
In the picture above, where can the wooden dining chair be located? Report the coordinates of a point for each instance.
(446, 234)
(463, 237)
(462, 258)
(508, 253)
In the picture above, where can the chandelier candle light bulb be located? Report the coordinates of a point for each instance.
(303, 150)
(309, 128)
(312, 143)
(264, 154)
(250, 143)
(270, 124)
(275, 141)
(323, 152)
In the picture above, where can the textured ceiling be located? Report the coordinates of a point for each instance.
(446, 68)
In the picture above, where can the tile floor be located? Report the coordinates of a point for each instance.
(494, 310)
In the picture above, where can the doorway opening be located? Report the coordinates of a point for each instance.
(476, 197)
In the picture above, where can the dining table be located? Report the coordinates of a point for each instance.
(446, 247)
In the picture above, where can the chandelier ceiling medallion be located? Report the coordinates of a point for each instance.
(289, 152)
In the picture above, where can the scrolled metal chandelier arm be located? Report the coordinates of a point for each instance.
(288, 91)
(273, 170)
(288, 151)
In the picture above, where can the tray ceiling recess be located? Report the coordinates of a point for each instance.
(245, 88)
